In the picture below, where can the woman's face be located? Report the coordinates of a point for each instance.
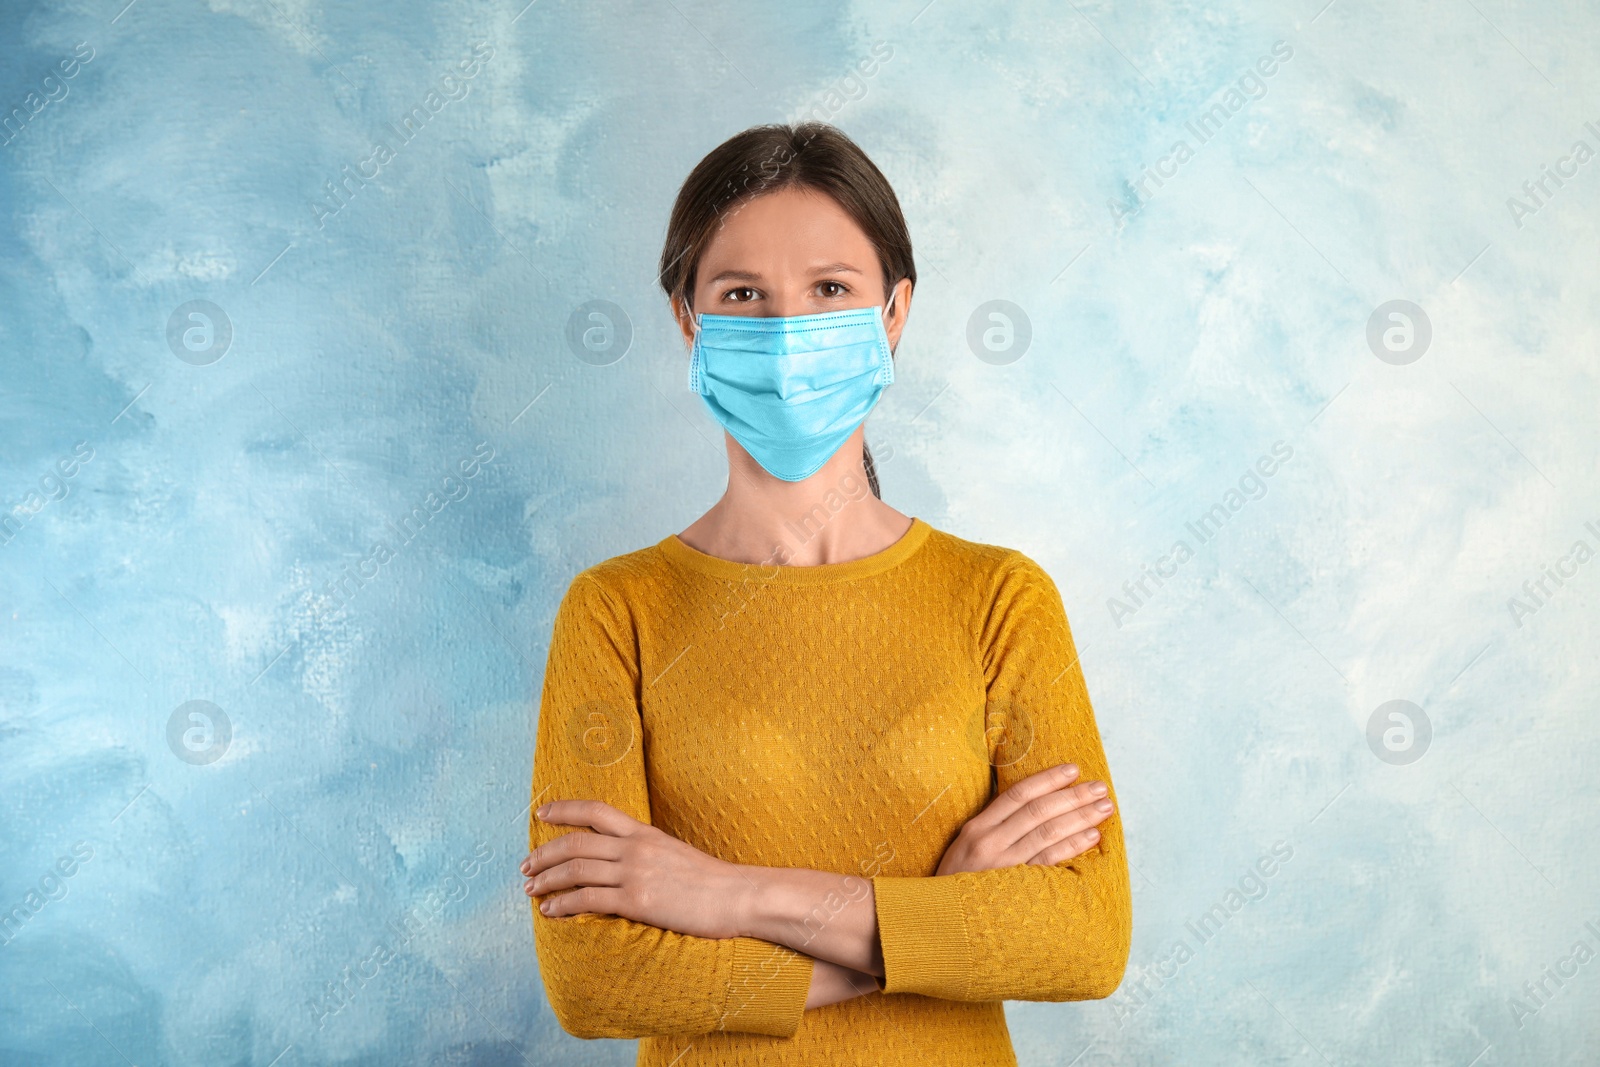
(791, 252)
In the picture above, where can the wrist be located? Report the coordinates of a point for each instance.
(832, 983)
(751, 889)
(771, 904)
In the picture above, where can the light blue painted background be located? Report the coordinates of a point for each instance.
(377, 745)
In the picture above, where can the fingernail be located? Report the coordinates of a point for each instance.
(543, 808)
(1098, 789)
(544, 906)
(1092, 835)
(1103, 805)
(1071, 768)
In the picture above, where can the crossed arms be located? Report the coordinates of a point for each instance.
(639, 933)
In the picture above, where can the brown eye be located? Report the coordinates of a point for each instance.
(837, 289)
(742, 299)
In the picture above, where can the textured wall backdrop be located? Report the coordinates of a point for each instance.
(285, 281)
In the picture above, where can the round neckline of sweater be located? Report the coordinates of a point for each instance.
(677, 550)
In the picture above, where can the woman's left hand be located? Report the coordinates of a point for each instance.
(633, 870)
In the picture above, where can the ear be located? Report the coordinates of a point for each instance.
(685, 318)
(895, 322)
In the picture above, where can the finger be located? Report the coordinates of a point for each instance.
(1071, 848)
(600, 901)
(569, 846)
(1042, 809)
(1019, 793)
(595, 814)
(584, 871)
(1053, 831)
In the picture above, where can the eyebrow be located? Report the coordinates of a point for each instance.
(736, 276)
(754, 276)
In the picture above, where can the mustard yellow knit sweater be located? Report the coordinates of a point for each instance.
(848, 718)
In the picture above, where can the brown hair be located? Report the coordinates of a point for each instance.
(764, 159)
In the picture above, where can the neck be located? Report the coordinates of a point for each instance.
(830, 517)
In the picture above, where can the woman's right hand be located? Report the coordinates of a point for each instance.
(1045, 819)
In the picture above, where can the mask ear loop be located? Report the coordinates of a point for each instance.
(694, 318)
(694, 348)
(887, 375)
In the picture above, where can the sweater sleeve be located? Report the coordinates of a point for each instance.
(613, 977)
(1026, 932)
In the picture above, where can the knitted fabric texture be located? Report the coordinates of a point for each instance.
(848, 717)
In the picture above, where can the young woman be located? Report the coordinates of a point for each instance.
(814, 782)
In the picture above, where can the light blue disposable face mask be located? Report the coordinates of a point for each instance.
(792, 389)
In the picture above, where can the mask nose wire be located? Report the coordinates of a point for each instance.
(883, 314)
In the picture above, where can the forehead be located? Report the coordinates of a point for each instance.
(791, 229)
